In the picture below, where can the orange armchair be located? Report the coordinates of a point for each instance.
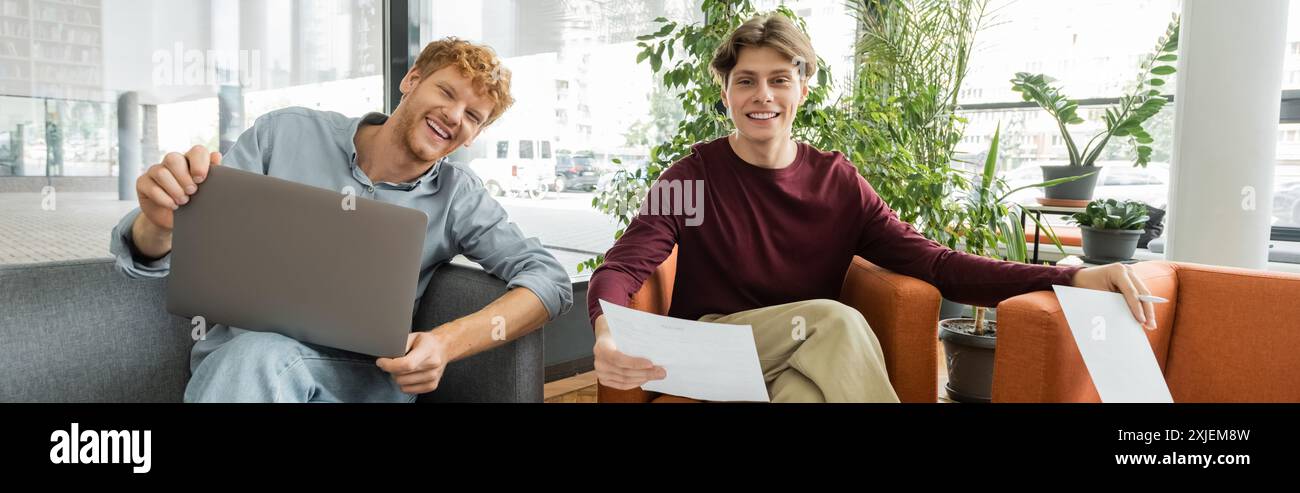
(903, 312)
(1227, 335)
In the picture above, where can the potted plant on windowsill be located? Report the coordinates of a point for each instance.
(1123, 119)
(989, 227)
(1111, 229)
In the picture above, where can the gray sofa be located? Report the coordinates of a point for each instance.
(79, 331)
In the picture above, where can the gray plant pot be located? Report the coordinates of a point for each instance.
(1080, 189)
(970, 359)
(1109, 244)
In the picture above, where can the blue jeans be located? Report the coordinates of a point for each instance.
(237, 365)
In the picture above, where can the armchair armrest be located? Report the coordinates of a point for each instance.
(655, 295)
(904, 314)
(1037, 359)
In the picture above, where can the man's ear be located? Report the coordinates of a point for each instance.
(803, 91)
(409, 81)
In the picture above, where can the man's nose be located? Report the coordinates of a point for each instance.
(454, 114)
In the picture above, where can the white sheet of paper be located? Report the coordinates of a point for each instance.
(706, 361)
(1114, 346)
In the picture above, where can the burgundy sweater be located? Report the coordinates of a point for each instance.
(765, 237)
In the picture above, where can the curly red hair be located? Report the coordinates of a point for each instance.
(477, 62)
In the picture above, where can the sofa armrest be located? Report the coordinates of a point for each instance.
(904, 314)
(1037, 359)
(509, 373)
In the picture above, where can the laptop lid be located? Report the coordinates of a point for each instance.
(267, 254)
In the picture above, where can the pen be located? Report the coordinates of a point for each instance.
(1152, 299)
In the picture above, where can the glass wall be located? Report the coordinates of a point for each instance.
(577, 86)
(203, 70)
(1286, 182)
(1094, 50)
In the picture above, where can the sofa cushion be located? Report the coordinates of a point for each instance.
(78, 331)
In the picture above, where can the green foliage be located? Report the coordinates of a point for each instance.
(1125, 118)
(989, 224)
(1113, 214)
(901, 126)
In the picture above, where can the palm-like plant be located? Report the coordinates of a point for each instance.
(902, 125)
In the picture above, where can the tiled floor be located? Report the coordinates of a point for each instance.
(77, 226)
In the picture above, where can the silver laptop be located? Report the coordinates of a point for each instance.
(267, 254)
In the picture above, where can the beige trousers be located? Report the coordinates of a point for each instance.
(816, 351)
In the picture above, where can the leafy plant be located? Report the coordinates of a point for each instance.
(1112, 214)
(1123, 119)
(990, 226)
(901, 126)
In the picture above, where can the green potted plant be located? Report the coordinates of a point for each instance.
(989, 227)
(1111, 229)
(1124, 119)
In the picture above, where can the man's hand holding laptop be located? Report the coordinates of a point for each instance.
(162, 189)
(421, 369)
(429, 352)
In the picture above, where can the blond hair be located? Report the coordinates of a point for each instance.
(774, 31)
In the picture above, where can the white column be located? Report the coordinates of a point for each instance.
(128, 145)
(1225, 133)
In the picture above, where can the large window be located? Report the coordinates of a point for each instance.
(1093, 49)
(580, 97)
(203, 70)
(1286, 182)
(576, 82)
